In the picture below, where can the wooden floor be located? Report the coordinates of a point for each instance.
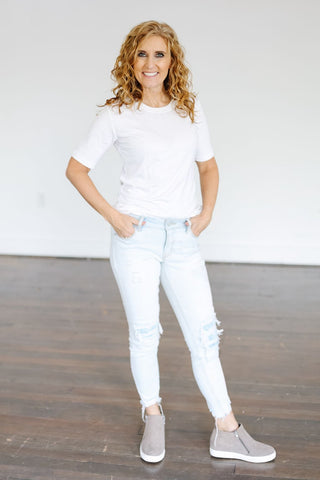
(68, 405)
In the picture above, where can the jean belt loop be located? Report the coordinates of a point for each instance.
(188, 224)
(141, 219)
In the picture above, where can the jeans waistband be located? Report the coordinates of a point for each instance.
(162, 222)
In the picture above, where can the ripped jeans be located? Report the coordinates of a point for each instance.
(166, 250)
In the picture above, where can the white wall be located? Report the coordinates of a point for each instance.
(255, 67)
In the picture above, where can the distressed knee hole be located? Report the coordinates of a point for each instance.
(146, 336)
(210, 337)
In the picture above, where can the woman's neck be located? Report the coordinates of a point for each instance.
(155, 99)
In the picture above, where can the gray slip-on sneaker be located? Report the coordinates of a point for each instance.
(240, 445)
(152, 446)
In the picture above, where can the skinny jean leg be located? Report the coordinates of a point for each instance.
(137, 271)
(185, 281)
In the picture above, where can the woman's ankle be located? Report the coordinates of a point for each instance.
(227, 423)
(153, 410)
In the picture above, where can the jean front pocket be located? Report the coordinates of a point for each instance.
(188, 225)
(138, 228)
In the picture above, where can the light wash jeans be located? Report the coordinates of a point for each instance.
(166, 250)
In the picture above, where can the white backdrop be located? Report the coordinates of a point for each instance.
(255, 65)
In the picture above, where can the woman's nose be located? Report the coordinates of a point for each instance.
(149, 62)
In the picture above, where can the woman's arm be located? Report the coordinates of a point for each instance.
(209, 181)
(78, 175)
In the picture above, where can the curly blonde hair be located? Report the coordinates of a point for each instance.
(177, 83)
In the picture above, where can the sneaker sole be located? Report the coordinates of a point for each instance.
(152, 458)
(240, 456)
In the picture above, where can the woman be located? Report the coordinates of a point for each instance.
(158, 126)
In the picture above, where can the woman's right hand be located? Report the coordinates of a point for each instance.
(123, 224)
(78, 175)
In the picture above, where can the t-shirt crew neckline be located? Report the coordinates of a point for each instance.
(164, 109)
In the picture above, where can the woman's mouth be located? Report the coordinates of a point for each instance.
(150, 74)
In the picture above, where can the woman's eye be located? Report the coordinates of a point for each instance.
(158, 54)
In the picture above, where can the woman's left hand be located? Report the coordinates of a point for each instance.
(199, 223)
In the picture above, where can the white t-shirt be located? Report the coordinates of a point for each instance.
(159, 149)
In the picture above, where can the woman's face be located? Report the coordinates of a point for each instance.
(152, 62)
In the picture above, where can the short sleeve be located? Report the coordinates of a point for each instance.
(204, 148)
(100, 137)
